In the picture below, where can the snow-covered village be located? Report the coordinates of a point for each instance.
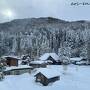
(49, 72)
(44, 45)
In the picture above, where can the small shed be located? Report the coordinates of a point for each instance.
(13, 70)
(51, 58)
(75, 60)
(83, 61)
(11, 60)
(38, 64)
(45, 76)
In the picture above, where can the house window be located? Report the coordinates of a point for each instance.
(38, 79)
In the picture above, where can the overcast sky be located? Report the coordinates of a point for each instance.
(16, 9)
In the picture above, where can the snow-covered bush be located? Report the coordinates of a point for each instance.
(65, 60)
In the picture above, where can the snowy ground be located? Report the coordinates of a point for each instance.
(71, 78)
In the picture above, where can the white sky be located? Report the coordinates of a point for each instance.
(15, 9)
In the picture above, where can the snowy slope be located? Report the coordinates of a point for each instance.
(72, 78)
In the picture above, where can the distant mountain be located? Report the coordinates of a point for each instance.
(35, 36)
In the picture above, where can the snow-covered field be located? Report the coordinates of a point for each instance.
(71, 78)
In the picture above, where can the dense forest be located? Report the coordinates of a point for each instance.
(35, 36)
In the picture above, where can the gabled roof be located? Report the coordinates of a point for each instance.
(17, 67)
(47, 55)
(76, 59)
(15, 57)
(48, 72)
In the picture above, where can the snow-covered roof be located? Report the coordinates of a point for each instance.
(17, 67)
(76, 59)
(37, 62)
(82, 62)
(12, 56)
(48, 72)
(46, 56)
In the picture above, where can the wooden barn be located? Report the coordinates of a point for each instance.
(11, 61)
(38, 64)
(46, 77)
(17, 70)
(51, 58)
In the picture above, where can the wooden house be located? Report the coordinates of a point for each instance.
(51, 58)
(75, 60)
(38, 64)
(45, 77)
(83, 61)
(11, 61)
(17, 70)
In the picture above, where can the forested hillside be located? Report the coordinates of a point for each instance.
(35, 36)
